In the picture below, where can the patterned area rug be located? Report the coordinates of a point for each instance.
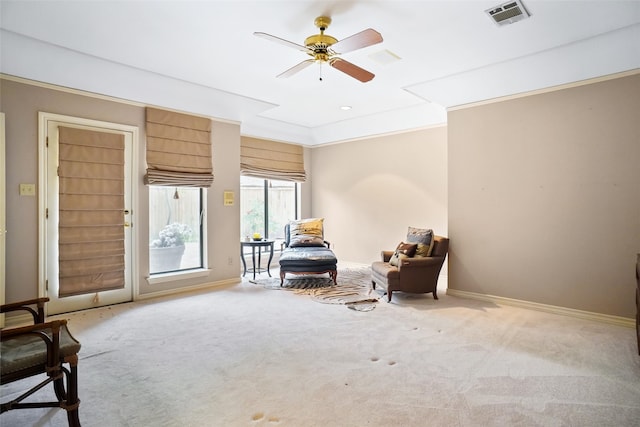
(353, 290)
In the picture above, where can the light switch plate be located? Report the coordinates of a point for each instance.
(228, 198)
(27, 189)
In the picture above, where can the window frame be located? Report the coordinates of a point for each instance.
(196, 271)
(265, 183)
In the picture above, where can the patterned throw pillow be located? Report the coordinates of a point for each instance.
(404, 250)
(424, 238)
(306, 232)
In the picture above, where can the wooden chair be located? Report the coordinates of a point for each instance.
(44, 348)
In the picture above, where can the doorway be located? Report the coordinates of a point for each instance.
(52, 270)
(3, 213)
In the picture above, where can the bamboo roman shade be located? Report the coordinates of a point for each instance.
(91, 211)
(178, 149)
(272, 160)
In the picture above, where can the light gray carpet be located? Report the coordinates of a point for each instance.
(249, 356)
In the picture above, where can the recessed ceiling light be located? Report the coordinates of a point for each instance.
(345, 107)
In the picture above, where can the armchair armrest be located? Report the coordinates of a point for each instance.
(53, 326)
(37, 312)
(415, 270)
(386, 255)
(420, 262)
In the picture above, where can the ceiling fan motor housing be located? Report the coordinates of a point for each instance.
(320, 43)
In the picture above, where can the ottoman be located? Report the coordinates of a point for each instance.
(308, 260)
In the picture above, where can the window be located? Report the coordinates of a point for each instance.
(267, 206)
(176, 216)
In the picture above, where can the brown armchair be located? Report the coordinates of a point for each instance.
(415, 275)
(44, 348)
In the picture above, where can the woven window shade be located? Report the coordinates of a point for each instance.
(178, 149)
(272, 160)
(91, 211)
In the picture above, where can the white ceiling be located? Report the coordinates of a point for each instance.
(202, 57)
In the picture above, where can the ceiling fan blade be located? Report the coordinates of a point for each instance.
(359, 40)
(291, 71)
(284, 42)
(351, 69)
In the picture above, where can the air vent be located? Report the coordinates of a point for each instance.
(508, 13)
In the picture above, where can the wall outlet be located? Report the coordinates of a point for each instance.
(230, 261)
(27, 189)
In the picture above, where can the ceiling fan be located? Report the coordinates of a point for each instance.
(324, 48)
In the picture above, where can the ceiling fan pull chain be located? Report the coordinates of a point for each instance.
(321, 71)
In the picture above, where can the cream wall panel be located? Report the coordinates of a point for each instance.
(544, 197)
(370, 191)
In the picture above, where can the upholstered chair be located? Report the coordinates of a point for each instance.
(306, 251)
(413, 274)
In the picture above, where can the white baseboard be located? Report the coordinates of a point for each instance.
(581, 314)
(209, 285)
(13, 320)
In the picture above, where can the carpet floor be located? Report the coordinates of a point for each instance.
(245, 355)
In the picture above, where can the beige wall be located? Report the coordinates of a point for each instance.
(539, 194)
(370, 191)
(21, 104)
(544, 197)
